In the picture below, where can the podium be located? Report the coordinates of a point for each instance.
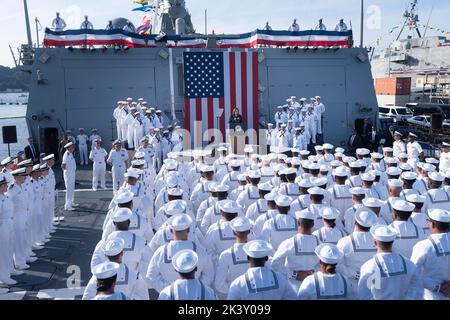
(237, 137)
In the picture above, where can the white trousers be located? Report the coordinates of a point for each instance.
(319, 125)
(98, 174)
(83, 154)
(6, 260)
(117, 177)
(20, 241)
(130, 136)
(119, 130)
(69, 181)
(313, 133)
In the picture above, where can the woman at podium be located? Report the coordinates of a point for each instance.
(235, 118)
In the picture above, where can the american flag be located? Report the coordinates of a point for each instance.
(219, 80)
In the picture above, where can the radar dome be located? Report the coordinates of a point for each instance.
(119, 23)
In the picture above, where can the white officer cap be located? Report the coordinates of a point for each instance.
(305, 152)
(113, 247)
(316, 191)
(357, 191)
(258, 249)
(185, 261)
(121, 215)
(329, 213)
(383, 233)
(171, 180)
(206, 168)
(394, 171)
(405, 167)
(180, 222)
(362, 152)
(293, 97)
(36, 168)
(376, 155)
(415, 198)
(412, 135)
(318, 148)
(228, 206)
(248, 149)
(283, 201)
(428, 167)
(133, 173)
(439, 215)
(124, 197)
(395, 183)
(49, 157)
(220, 188)
(325, 168)
(20, 172)
(341, 172)
(336, 163)
(304, 214)
(280, 107)
(174, 207)
(436, 176)
(432, 161)
(373, 202)
(340, 150)
(129, 99)
(296, 162)
(329, 253)
(398, 133)
(367, 177)
(265, 186)
(68, 144)
(106, 270)
(176, 192)
(271, 196)
(253, 174)
(139, 155)
(241, 224)
(138, 163)
(328, 146)
(388, 149)
(409, 175)
(365, 217)
(402, 205)
(319, 181)
(25, 163)
(390, 160)
(270, 124)
(242, 177)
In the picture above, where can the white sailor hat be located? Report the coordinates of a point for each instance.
(253, 174)
(402, 156)
(319, 181)
(106, 270)
(328, 146)
(241, 224)
(170, 164)
(288, 160)
(139, 155)
(49, 157)
(395, 183)
(132, 173)
(174, 207)
(432, 161)
(383, 233)
(304, 214)
(283, 125)
(220, 149)
(329, 253)
(258, 249)
(316, 191)
(235, 163)
(439, 215)
(355, 164)
(415, 198)
(228, 206)
(391, 160)
(436, 176)
(242, 177)
(185, 261)
(180, 222)
(349, 159)
(376, 173)
(305, 152)
(409, 176)
(402, 205)
(373, 203)
(7, 160)
(405, 167)
(412, 135)
(176, 192)
(156, 130)
(303, 183)
(328, 157)
(220, 188)
(20, 172)
(293, 97)
(393, 171)
(329, 213)
(314, 166)
(25, 163)
(248, 149)
(113, 247)
(271, 196)
(289, 171)
(303, 99)
(318, 148)
(206, 168)
(361, 163)
(67, 145)
(376, 155)
(124, 197)
(265, 186)
(280, 107)
(365, 217)
(313, 159)
(129, 99)
(144, 138)
(283, 201)
(296, 161)
(138, 163)
(278, 167)
(362, 151)
(171, 180)
(367, 177)
(341, 172)
(357, 191)
(388, 149)
(282, 156)
(121, 215)
(340, 150)
(428, 167)
(325, 168)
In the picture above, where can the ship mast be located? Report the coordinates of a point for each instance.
(411, 19)
(27, 22)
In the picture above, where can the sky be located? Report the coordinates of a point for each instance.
(230, 16)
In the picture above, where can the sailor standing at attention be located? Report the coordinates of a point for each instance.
(260, 282)
(399, 146)
(118, 158)
(94, 136)
(117, 116)
(98, 156)
(186, 287)
(86, 24)
(82, 139)
(69, 168)
(341, 26)
(444, 161)
(294, 26)
(58, 23)
(321, 26)
(106, 275)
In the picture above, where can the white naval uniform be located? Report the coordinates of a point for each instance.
(248, 196)
(59, 24)
(278, 229)
(138, 131)
(408, 235)
(98, 156)
(283, 138)
(232, 263)
(256, 209)
(399, 147)
(231, 180)
(261, 220)
(444, 161)
(69, 177)
(118, 160)
(312, 127)
(294, 255)
(138, 225)
(320, 110)
(82, 147)
(128, 281)
(261, 283)
(6, 236)
(129, 122)
(212, 215)
(330, 235)
(320, 286)
(301, 203)
(354, 181)
(349, 217)
(199, 193)
(92, 139)
(207, 203)
(192, 289)
(432, 258)
(19, 200)
(116, 296)
(389, 276)
(116, 115)
(164, 236)
(289, 189)
(218, 238)
(437, 199)
(341, 198)
(300, 141)
(160, 272)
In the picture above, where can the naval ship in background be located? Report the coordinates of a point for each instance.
(75, 87)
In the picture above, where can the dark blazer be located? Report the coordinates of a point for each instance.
(357, 143)
(29, 153)
(374, 144)
(237, 119)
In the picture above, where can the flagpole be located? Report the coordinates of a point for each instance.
(361, 43)
(206, 21)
